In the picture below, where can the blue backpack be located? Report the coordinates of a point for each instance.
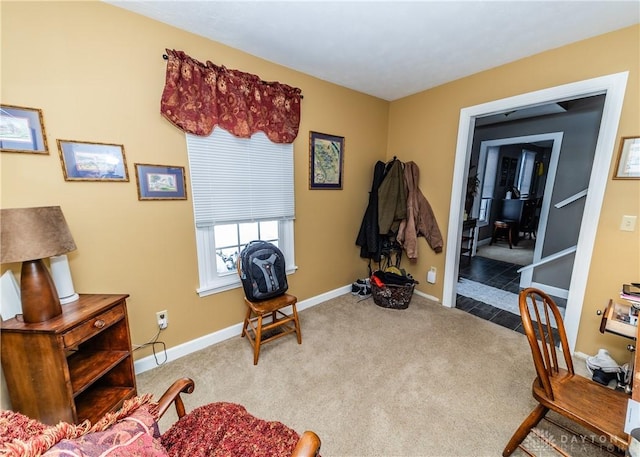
(262, 271)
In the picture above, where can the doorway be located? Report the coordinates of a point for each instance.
(526, 166)
(613, 86)
(534, 183)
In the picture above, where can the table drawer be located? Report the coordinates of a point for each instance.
(89, 328)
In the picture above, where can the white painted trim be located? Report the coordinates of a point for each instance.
(427, 296)
(553, 291)
(571, 199)
(149, 362)
(614, 87)
(549, 258)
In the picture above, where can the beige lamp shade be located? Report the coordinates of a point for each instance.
(34, 233)
(28, 235)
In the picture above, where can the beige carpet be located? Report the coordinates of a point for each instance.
(425, 381)
(522, 254)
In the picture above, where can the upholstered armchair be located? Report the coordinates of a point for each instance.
(216, 429)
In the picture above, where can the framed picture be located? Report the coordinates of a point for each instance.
(160, 182)
(326, 156)
(628, 164)
(22, 130)
(84, 161)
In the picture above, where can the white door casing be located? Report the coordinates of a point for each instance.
(613, 86)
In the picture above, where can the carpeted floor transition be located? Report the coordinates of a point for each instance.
(424, 381)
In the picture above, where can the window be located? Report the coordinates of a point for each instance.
(527, 163)
(242, 190)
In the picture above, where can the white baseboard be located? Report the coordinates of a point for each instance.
(427, 296)
(173, 353)
(553, 291)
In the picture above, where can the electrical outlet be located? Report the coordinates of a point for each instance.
(431, 275)
(162, 317)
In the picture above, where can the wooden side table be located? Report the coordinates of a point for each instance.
(76, 366)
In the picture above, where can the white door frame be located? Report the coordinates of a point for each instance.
(614, 87)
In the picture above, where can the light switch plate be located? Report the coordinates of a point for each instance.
(628, 223)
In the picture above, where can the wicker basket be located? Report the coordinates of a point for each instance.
(392, 295)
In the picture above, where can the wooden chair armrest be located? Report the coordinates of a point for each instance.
(172, 395)
(308, 445)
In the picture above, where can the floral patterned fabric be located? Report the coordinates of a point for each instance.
(227, 430)
(131, 431)
(197, 97)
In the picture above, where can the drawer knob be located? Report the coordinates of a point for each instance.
(99, 323)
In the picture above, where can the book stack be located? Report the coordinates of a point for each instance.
(631, 293)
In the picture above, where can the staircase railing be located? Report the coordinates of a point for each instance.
(549, 258)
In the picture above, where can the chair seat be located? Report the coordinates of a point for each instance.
(594, 406)
(271, 304)
(223, 428)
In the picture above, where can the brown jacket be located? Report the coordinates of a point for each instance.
(420, 219)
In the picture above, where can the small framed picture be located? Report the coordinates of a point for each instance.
(628, 164)
(160, 182)
(85, 161)
(326, 156)
(22, 130)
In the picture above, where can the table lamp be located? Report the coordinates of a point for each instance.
(29, 235)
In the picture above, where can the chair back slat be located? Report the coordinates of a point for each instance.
(539, 313)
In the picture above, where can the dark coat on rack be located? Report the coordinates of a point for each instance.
(369, 238)
(392, 199)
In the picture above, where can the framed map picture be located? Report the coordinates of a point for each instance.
(326, 157)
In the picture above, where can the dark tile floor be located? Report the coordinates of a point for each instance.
(498, 274)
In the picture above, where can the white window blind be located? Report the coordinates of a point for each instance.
(240, 180)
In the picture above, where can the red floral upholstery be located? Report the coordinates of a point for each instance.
(132, 431)
(227, 429)
(213, 430)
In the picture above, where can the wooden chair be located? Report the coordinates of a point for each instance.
(585, 402)
(266, 321)
(308, 445)
(502, 229)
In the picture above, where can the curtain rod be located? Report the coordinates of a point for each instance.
(166, 57)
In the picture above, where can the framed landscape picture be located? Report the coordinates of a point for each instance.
(22, 130)
(326, 158)
(160, 182)
(87, 161)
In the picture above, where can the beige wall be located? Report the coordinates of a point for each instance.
(424, 128)
(96, 72)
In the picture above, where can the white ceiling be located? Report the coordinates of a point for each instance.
(389, 49)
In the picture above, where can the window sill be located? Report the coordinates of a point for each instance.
(229, 283)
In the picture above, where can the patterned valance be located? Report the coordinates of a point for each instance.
(198, 96)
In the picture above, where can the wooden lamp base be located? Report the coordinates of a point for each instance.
(39, 296)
